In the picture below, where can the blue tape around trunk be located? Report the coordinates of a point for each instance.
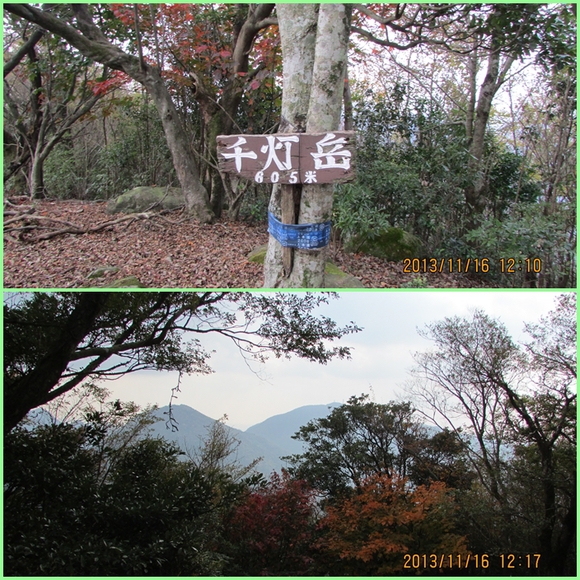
(301, 236)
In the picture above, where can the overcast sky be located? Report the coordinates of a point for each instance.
(381, 356)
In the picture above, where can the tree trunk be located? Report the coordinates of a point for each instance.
(324, 108)
(298, 24)
(494, 78)
(93, 44)
(195, 194)
(15, 158)
(219, 113)
(348, 109)
(36, 186)
(33, 389)
(323, 115)
(472, 62)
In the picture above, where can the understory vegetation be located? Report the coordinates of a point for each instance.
(412, 171)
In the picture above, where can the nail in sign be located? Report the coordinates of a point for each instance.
(289, 157)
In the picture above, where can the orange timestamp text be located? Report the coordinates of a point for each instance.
(473, 265)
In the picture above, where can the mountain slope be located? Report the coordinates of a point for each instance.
(280, 428)
(270, 439)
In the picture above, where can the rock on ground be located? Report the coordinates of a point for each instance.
(142, 198)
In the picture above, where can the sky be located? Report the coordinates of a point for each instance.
(379, 365)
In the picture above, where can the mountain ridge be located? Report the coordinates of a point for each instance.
(270, 439)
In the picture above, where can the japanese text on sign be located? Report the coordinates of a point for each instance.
(289, 157)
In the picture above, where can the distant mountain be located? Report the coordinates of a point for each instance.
(36, 417)
(270, 439)
(192, 426)
(280, 428)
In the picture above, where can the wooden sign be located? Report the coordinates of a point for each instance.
(290, 158)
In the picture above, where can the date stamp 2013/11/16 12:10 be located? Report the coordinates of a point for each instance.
(471, 265)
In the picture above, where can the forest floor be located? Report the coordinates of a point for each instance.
(165, 251)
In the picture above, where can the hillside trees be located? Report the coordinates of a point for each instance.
(208, 59)
(91, 41)
(362, 439)
(492, 472)
(272, 530)
(518, 402)
(544, 138)
(387, 487)
(55, 342)
(98, 497)
(211, 57)
(416, 122)
(494, 36)
(369, 533)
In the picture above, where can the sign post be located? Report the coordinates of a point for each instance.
(291, 159)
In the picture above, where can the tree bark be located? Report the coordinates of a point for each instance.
(494, 78)
(298, 24)
(348, 108)
(323, 115)
(37, 189)
(472, 62)
(324, 108)
(22, 52)
(32, 132)
(93, 44)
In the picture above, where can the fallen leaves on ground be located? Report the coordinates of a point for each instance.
(171, 253)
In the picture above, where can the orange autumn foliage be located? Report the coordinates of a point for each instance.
(385, 519)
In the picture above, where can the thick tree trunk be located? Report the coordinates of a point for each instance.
(298, 24)
(34, 388)
(323, 115)
(36, 186)
(196, 196)
(324, 108)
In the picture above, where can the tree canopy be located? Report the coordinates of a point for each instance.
(362, 438)
(512, 401)
(54, 342)
(101, 498)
